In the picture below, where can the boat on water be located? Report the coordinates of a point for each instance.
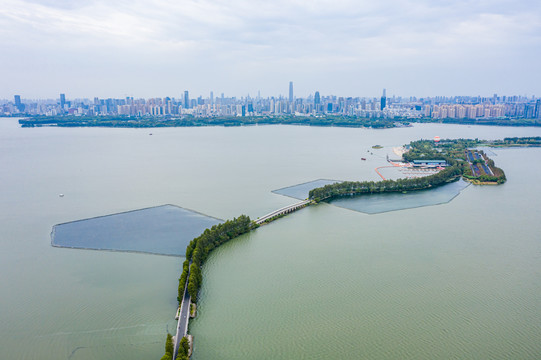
(364, 159)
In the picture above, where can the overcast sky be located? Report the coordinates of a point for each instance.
(142, 48)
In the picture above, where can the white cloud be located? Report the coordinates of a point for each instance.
(154, 47)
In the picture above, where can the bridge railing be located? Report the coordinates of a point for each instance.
(282, 211)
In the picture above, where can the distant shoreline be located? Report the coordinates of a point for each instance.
(191, 121)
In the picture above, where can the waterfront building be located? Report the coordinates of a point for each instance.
(429, 163)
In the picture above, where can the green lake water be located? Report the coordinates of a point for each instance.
(458, 281)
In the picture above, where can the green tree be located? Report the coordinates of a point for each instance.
(192, 290)
(167, 356)
(184, 346)
(169, 347)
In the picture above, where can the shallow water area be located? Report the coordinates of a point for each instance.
(163, 230)
(380, 203)
(301, 191)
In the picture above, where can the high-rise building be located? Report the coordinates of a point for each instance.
(62, 100)
(317, 98)
(291, 91)
(186, 100)
(383, 100)
(18, 103)
(211, 97)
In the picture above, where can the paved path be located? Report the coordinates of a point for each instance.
(282, 211)
(182, 326)
(184, 317)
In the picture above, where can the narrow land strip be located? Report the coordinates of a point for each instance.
(452, 154)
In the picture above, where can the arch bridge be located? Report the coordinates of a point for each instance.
(282, 211)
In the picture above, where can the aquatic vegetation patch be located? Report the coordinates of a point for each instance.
(301, 191)
(163, 230)
(384, 202)
(380, 202)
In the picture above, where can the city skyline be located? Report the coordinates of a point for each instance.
(348, 48)
(458, 107)
(289, 94)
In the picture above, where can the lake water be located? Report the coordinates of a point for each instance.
(458, 280)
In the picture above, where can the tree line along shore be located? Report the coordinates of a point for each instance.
(197, 253)
(453, 152)
(190, 120)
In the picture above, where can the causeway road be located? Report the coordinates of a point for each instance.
(182, 325)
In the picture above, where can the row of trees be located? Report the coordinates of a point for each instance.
(349, 188)
(530, 141)
(183, 349)
(182, 280)
(197, 252)
(188, 120)
(199, 248)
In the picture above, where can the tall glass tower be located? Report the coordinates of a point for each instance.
(291, 91)
(186, 100)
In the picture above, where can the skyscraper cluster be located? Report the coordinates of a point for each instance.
(314, 105)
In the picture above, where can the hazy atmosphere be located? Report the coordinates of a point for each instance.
(153, 48)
